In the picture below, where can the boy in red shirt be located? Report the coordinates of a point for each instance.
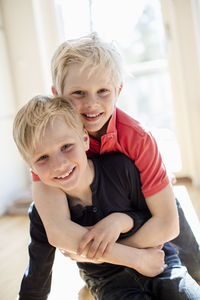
(89, 73)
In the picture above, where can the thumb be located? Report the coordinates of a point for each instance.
(159, 246)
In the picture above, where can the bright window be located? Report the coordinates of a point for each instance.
(138, 30)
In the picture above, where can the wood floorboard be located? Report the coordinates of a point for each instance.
(13, 254)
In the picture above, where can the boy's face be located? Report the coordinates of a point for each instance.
(93, 96)
(60, 159)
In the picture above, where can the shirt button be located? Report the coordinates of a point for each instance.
(94, 209)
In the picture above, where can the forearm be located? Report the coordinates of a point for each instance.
(153, 233)
(53, 209)
(65, 234)
(119, 255)
(149, 262)
(126, 222)
(52, 206)
(162, 227)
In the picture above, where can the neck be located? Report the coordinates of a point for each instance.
(98, 134)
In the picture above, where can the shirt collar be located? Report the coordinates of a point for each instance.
(112, 123)
(108, 140)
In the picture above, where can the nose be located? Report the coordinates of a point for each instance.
(58, 162)
(91, 100)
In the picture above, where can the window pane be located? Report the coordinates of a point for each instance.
(137, 28)
(73, 18)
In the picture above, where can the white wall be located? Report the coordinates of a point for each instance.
(25, 53)
(183, 57)
(12, 169)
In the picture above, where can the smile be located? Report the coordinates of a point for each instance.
(92, 116)
(66, 175)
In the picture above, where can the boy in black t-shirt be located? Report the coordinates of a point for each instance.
(52, 140)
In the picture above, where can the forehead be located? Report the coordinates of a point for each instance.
(56, 132)
(77, 75)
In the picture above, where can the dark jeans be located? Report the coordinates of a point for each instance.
(187, 246)
(174, 283)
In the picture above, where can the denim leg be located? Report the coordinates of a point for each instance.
(187, 246)
(122, 285)
(175, 283)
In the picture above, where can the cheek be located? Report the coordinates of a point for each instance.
(41, 171)
(76, 103)
(79, 155)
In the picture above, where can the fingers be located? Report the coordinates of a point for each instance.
(96, 249)
(64, 252)
(165, 267)
(87, 238)
(159, 246)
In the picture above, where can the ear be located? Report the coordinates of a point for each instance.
(86, 140)
(120, 88)
(54, 91)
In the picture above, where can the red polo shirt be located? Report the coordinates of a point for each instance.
(126, 135)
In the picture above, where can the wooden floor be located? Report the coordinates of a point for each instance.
(14, 257)
(14, 237)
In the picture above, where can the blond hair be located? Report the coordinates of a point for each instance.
(88, 51)
(31, 120)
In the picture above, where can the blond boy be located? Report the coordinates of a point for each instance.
(52, 140)
(89, 72)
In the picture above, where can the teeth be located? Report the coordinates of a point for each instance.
(92, 115)
(66, 174)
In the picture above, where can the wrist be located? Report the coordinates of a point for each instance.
(136, 257)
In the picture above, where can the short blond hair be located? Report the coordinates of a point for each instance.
(31, 120)
(88, 51)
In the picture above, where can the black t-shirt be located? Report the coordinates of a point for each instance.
(116, 188)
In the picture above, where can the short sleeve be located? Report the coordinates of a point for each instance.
(150, 165)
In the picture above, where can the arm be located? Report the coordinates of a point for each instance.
(163, 226)
(149, 262)
(52, 206)
(67, 235)
(103, 235)
(36, 282)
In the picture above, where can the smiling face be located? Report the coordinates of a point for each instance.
(60, 159)
(93, 96)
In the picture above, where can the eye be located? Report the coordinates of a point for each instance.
(78, 93)
(66, 147)
(42, 158)
(103, 91)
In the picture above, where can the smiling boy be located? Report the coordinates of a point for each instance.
(52, 140)
(89, 72)
(93, 85)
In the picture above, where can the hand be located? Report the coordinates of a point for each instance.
(101, 237)
(151, 262)
(79, 258)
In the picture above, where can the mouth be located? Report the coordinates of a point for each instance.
(92, 117)
(66, 175)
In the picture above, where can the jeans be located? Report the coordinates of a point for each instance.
(187, 246)
(174, 283)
